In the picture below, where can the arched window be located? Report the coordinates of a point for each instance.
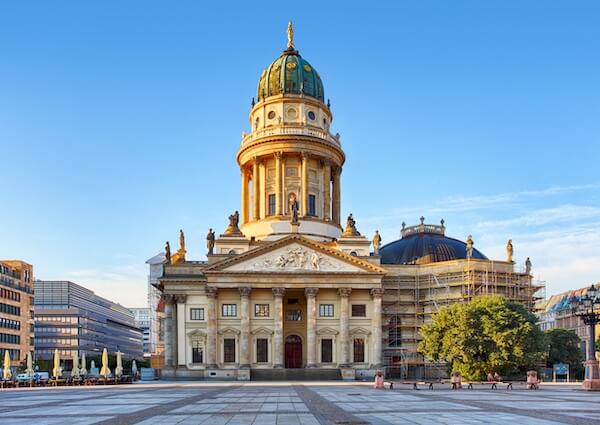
(394, 332)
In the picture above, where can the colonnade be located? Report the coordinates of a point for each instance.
(330, 176)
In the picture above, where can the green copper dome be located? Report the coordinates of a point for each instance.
(289, 73)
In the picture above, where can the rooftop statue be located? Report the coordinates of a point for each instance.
(168, 251)
(210, 241)
(528, 266)
(509, 251)
(232, 228)
(293, 208)
(290, 35)
(376, 242)
(181, 240)
(350, 229)
(470, 244)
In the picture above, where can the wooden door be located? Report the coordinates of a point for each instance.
(293, 352)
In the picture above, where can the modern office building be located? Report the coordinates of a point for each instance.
(70, 318)
(16, 309)
(141, 317)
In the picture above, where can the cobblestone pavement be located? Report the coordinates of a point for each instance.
(294, 404)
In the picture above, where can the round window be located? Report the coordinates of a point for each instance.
(271, 115)
(311, 115)
(291, 113)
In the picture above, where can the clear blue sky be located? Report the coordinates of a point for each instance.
(119, 123)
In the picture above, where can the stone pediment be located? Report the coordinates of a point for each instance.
(327, 331)
(197, 333)
(295, 254)
(262, 331)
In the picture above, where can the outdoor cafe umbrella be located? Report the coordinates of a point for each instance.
(6, 373)
(83, 370)
(29, 370)
(105, 371)
(57, 371)
(119, 367)
(75, 371)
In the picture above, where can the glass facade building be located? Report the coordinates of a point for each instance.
(70, 318)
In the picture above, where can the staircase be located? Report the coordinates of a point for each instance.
(295, 375)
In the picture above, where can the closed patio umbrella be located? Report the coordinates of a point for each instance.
(83, 370)
(56, 371)
(6, 375)
(75, 371)
(105, 371)
(29, 370)
(134, 369)
(119, 367)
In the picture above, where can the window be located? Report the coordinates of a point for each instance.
(197, 353)
(229, 350)
(196, 314)
(311, 115)
(229, 310)
(359, 310)
(293, 316)
(262, 350)
(312, 205)
(326, 310)
(359, 350)
(271, 206)
(261, 310)
(326, 351)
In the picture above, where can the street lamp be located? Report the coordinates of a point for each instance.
(585, 307)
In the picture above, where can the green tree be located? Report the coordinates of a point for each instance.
(564, 346)
(486, 334)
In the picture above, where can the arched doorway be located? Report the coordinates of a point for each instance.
(293, 352)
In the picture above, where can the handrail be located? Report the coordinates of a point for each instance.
(290, 130)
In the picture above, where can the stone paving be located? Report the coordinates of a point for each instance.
(294, 404)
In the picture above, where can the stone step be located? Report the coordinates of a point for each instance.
(295, 375)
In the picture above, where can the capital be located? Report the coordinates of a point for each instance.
(180, 298)
(278, 292)
(311, 292)
(304, 155)
(344, 292)
(377, 292)
(278, 155)
(211, 291)
(170, 298)
(244, 291)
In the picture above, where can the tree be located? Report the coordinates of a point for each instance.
(487, 334)
(564, 347)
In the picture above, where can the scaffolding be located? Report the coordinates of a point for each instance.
(414, 293)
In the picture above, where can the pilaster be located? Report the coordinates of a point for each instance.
(278, 294)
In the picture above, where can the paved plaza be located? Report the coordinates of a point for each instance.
(294, 404)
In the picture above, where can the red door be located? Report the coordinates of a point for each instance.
(293, 352)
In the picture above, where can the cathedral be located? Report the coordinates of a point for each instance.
(290, 284)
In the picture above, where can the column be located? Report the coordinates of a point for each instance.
(211, 327)
(311, 326)
(344, 294)
(376, 332)
(326, 190)
(174, 347)
(244, 205)
(278, 194)
(278, 294)
(245, 327)
(180, 299)
(336, 195)
(304, 209)
(167, 327)
(255, 191)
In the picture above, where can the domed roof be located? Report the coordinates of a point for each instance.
(290, 73)
(424, 244)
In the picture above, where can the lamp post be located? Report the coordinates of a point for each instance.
(585, 308)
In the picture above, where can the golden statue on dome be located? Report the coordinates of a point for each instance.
(290, 34)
